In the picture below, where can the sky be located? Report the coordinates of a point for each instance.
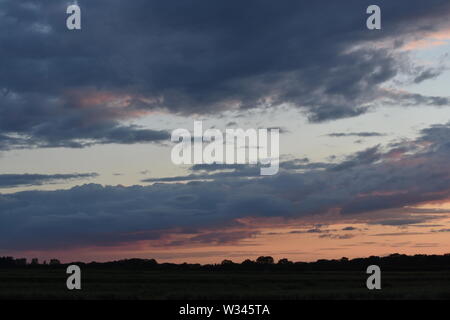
(86, 118)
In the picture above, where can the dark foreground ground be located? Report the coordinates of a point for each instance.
(124, 283)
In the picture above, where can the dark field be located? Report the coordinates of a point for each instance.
(123, 283)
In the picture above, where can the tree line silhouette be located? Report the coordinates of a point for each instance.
(267, 263)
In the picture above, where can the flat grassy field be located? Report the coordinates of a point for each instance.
(122, 283)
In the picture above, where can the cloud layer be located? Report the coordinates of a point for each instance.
(75, 88)
(392, 177)
(20, 180)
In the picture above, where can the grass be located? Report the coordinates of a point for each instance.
(123, 283)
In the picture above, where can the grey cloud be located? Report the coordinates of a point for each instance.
(402, 222)
(337, 236)
(314, 230)
(238, 171)
(426, 75)
(217, 171)
(33, 120)
(17, 180)
(196, 57)
(414, 99)
(368, 156)
(441, 230)
(106, 215)
(399, 234)
(215, 238)
(356, 134)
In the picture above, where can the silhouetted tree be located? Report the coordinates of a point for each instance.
(227, 262)
(284, 261)
(54, 262)
(265, 263)
(265, 260)
(248, 262)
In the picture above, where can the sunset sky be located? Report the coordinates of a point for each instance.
(86, 118)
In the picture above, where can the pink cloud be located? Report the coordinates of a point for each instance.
(433, 39)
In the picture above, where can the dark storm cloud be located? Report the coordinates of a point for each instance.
(59, 86)
(17, 180)
(112, 215)
(28, 120)
(93, 214)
